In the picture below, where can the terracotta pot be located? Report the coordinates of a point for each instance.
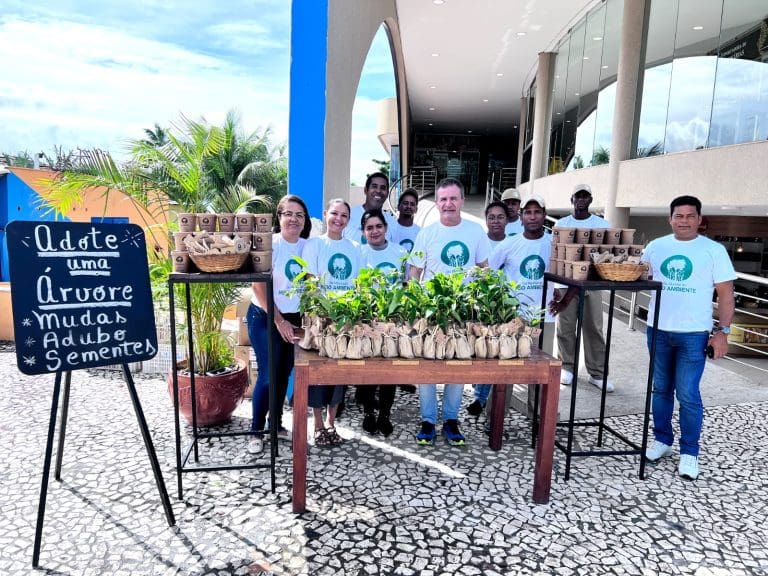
(217, 396)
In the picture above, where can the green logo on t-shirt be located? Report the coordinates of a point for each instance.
(677, 268)
(386, 267)
(455, 254)
(339, 266)
(292, 269)
(407, 244)
(532, 267)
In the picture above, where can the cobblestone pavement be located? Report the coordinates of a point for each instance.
(375, 506)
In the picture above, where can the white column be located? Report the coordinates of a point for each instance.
(628, 95)
(542, 116)
(521, 140)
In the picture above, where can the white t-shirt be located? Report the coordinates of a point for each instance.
(354, 231)
(284, 269)
(405, 236)
(513, 228)
(592, 222)
(440, 248)
(335, 262)
(524, 262)
(388, 259)
(495, 243)
(688, 271)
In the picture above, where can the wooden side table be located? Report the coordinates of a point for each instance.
(540, 368)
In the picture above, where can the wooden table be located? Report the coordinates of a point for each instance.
(540, 368)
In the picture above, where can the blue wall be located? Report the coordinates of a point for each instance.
(306, 127)
(17, 202)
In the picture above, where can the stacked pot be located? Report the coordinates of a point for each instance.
(572, 249)
(250, 232)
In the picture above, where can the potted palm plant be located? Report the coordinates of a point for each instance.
(186, 172)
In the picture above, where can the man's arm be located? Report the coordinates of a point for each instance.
(725, 309)
(561, 299)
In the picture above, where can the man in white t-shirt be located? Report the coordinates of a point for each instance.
(511, 199)
(690, 267)
(446, 246)
(376, 191)
(593, 341)
(404, 230)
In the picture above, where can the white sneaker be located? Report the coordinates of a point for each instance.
(599, 383)
(255, 445)
(657, 450)
(689, 466)
(566, 377)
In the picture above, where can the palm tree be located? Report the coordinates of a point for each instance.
(185, 172)
(156, 137)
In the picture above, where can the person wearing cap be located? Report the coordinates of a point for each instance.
(566, 309)
(511, 199)
(524, 258)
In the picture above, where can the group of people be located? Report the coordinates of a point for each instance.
(515, 240)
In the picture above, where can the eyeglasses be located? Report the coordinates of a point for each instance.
(297, 215)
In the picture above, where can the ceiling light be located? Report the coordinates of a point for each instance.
(567, 121)
(597, 38)
(469, 131)
(521, 33)
(485, 99)
(585, 58)
(698, 28)
(725, 207)
(431, 107)
(576, 94)
(515, 126)
(431, 124)
(433, 87)
(435, 54)
(740, 247)
(604, 66)
(557, 76)
(438, 2)
(499, 74)
(558, 113)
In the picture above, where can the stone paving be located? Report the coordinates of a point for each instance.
(375, 506)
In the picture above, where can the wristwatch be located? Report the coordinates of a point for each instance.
(724, 329)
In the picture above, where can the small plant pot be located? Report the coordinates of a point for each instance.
(597, 235)
(580, 270)
(573, 252)
(636, 250)
(613, 236)
(187, 222)
(261, 261)
(263, 222)
(178, 240)
(564, 235)
(627, 235)
(568, 272)
(180, 261)
(590, 249)
(245, 222)
(226, 222)
(262, 241)
(206, 222)
(621, 250)
(583, 235)
(561, 267)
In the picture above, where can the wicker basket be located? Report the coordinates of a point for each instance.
(218, 262)
(620, 272)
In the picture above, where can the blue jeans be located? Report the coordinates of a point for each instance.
(451, 401)
(482, 391)
(677, 369)
(282, 353)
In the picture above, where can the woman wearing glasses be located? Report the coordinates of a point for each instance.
(291, 231)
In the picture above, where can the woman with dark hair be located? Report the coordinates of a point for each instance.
(291, 232)
(390, 259)
(335, 260)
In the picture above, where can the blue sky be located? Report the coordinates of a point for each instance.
(93, 74)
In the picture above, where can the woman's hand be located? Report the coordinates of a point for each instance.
(285, 329)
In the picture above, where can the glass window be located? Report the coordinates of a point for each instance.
(740, 105)
(559, 85)
(693, 76)
(608, 68)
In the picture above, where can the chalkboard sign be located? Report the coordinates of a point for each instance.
(80, 295)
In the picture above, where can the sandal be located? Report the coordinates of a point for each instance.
(333, 436)
(322, 437)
